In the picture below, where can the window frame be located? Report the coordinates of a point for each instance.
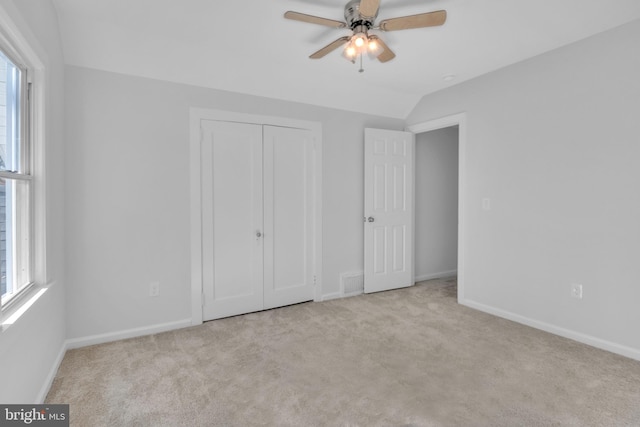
(27, 54)
(22, 174)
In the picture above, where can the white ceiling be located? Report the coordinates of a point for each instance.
(248, 47)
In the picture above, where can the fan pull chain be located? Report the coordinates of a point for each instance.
(361, 70)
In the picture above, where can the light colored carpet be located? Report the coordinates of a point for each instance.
(399, 358)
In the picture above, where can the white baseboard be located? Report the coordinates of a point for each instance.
(129, 333)
(439, 275)
(327, 297)
(42, 395)
(100, 339)
(630, 352)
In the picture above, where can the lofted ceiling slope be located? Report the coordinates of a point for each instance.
(248, 47)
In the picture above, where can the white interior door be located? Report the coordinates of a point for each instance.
(388, 207)
(232, 214)
(288, 216)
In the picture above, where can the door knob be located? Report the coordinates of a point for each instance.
(258, 233)
(370, 219)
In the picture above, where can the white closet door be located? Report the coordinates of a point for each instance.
(288, 216)
(232, 212)
(388, 207)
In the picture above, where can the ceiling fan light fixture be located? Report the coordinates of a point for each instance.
(350, 52)
(374, 47)
(359, 40)
(360, 17)
(358, 45)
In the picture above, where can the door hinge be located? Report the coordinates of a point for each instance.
(314, 280)
(203, 298)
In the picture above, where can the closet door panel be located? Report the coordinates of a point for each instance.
(232, 214)
(289, 216)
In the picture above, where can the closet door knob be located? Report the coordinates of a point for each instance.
(370, 219)
(258, 234)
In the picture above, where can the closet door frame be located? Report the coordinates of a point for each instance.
(197, 115)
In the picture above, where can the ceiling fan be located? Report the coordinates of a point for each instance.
(360, 16)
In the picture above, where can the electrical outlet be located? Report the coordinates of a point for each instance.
(576, 291)
(154, 289)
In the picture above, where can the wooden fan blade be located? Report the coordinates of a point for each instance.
(369, 8)
(387, 54)
(330, 47)
(431, 19)
(297, 16)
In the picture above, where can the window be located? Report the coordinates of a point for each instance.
(16, 207)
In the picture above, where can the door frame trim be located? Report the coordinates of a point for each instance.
(196, 115)
(459, 120)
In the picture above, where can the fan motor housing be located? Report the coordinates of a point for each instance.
(353, 17)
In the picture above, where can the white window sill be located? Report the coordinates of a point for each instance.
(11, 316)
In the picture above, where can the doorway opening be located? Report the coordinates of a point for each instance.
(436, 204)
(447, 124)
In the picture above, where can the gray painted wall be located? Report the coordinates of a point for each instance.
(30, 347)
(436, 203)
(553, 141)
(128, 194)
